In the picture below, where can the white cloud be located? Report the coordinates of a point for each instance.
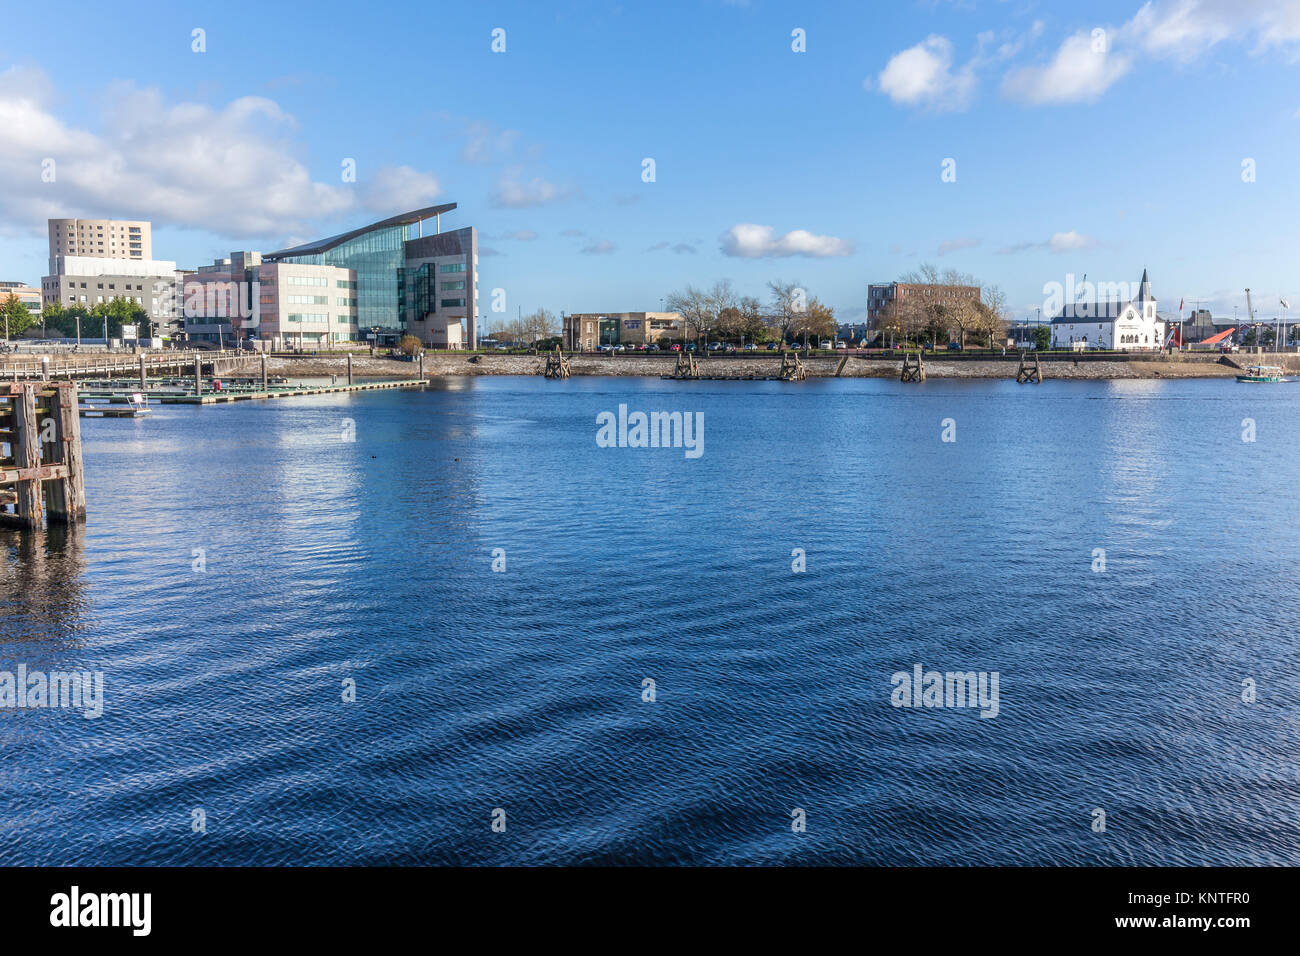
(231, 170)
(956, 245)
(523, 235)
(602, 248)
(514, 193)
(751, 241)
(1067, 241)
(228, 170)
(922, 75)
(1059, 242)
(1082, 70)
(394, 189)
(1185, 29)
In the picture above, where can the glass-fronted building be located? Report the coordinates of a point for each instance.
(421, 285)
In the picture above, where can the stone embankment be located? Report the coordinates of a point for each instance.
(438, 364)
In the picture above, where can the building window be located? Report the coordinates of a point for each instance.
(452, 303)
(454, 267)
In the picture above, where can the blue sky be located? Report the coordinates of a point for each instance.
(1073, 153)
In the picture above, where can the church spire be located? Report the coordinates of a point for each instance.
(1144, 290)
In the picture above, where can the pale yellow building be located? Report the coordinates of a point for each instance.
(101, 238)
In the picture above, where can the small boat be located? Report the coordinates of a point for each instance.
(1262, 373)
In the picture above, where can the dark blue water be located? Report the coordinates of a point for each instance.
(371, 560)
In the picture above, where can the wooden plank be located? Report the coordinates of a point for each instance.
(27, 455)
(66, 498)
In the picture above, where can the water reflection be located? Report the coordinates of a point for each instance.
(42, 586)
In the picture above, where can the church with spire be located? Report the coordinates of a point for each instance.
(1111, 323)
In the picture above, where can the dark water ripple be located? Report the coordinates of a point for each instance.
(370, 560)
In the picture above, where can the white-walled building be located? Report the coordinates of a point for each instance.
(1130, 326)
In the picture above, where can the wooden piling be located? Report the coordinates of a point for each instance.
(65, 496)
(264, 379)
(422, 364)
(913, 368)
(1030, 373)
(349, 368)
(792, 369)
(26, 446)
(686, 367)
(198, 376)
(557, 366)
(144, 379)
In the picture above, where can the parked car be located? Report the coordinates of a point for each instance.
(841, 344)
(690, 347)
(954, 346)
(620, 347)
(751, 347)
(652, 347)
(676, 347)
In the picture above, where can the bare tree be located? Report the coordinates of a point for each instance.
(789, 303)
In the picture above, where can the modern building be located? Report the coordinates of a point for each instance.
(25, 294)
(426, 286)
(94, 261)
(584, 331)
(101, 238)
(1111, 324)
(278, 305)
(881, 296)
(89, 281)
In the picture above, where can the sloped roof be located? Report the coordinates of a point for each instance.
(324, 245)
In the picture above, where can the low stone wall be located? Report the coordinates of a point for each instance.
(443, 364)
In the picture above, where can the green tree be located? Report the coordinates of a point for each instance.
(16, 316)
(1042, 337)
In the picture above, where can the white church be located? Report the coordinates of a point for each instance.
(1112, 324)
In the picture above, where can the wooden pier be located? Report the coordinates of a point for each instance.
(1029, 372)
(40, 455)
(687, 369)
(913, 368)
(557, 366)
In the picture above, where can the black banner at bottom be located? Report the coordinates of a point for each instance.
(336, 905)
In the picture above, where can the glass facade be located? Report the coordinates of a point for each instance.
(378, 257)
(415, 294)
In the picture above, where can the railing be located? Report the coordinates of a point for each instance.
(14, 368)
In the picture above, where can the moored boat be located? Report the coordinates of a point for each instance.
(1261, 373)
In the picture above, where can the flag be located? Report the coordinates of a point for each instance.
(1285, 303)
(1180, 304)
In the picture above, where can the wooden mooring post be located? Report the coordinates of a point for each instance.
(40, 451)
(265, 387)
(144, 375)
(792, 369)
(686, 366)
(913, 368)
(1029, 372)
(349, 368)
(421, 364)
(557, 366)
(198, 376)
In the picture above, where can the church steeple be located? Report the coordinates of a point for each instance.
(1144, 290)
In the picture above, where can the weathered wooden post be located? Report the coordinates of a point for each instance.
(264, 379)
(65, 497)
(144, 378)
(27, 456)
(422, 365)
(198, 376)
(349, 368)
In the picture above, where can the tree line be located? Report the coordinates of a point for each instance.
(719, 312)
(63, 320)
(949, 315)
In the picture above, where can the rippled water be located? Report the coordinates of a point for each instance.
(371, 560)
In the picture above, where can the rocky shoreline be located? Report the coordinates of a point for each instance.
(451, 364)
